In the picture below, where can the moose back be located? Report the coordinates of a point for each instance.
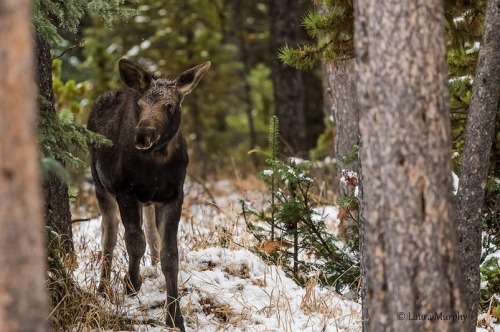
(141, 175)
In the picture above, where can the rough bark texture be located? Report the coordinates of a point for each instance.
(474, 170)
(23, 302)
(55, 192)
(343, 107)
(407, 211)
(288, 82)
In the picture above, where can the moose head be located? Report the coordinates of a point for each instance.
(159, 107)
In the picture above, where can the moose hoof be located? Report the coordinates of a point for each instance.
(101, 289)
(104, 290)
(132, 286)
(178, 323)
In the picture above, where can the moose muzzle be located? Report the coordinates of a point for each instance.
(145, 137)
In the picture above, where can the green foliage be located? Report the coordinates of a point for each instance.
(50, 166)
(490, 281)
(351, 156)
(274, 138)
(347, 202)
(261, 101)
(332, 26)
(60, 133)
(290, 231)
(491, 216)
(50, 15)
(61, 137)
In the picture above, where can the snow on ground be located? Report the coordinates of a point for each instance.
(222, 288)
(223, 285)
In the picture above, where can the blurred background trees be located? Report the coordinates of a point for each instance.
(228, 116)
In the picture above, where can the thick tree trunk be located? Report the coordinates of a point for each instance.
(476, 157)
(55, 191)
(23, 301)
(407, 209)
(288, 83)
(340, 82)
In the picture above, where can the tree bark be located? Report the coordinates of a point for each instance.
(410, 259)
(23, 301)
(288, 82)
(55, 192)
(343, 107)
(479, 133)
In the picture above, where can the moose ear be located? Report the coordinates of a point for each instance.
(133, 75)
(187, 81)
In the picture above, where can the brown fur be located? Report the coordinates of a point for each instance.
(142, 175)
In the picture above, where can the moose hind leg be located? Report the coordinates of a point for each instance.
(135, 241)
(109, 230)
(167, 218)
(152, 235)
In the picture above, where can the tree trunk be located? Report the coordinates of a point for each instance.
(288, 83)
(55, 192)
(409, 261)
(23, 300)
(476, 157)
(236, 34)
(340, 82)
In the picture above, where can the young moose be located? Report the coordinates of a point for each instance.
(142, 174)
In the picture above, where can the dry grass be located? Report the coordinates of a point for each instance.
(210, 219)
(76, 309)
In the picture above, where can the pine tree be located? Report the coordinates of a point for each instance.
(290, 225)
(331, 24)
(56, 136)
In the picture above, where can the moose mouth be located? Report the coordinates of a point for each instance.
(145, 139)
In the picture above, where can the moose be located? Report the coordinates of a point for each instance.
(141, 175)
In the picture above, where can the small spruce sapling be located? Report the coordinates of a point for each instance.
(290, 231)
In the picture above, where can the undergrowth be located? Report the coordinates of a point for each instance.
(72, 307)
(290, 232)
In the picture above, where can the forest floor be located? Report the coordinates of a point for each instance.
(224, 285)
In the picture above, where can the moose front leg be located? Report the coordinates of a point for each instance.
(135, 241)
(167, 218)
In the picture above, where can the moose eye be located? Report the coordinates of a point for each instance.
(168, 108)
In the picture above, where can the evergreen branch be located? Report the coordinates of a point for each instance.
(306, 57)
(80, 44)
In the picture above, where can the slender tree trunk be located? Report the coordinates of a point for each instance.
(23, 300)
(343, 107)
(410, 261)
(475, 163)
(55, 191)
(285, 18)
(236, 33)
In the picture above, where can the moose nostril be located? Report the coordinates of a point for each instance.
(144, 138)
